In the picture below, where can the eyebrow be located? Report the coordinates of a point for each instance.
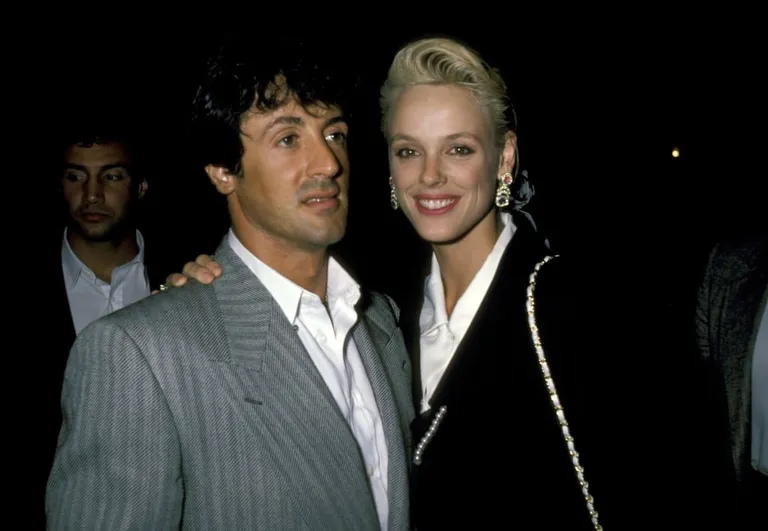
(454, 136)
(106, 167)
(283, 120)
(297, 120)
(339, 118)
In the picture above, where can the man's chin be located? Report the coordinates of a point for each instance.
(96, 233)
(327, 236)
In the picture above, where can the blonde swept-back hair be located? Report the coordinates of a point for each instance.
(443, 61)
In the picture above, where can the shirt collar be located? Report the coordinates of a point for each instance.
(287, 293)
(73, 267)
(433, 312)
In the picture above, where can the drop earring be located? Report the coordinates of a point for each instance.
(392, 196)
(503, 193)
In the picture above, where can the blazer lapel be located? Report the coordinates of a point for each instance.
(373, 343)
(270, 378)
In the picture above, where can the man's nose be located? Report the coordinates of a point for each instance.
(93, 190)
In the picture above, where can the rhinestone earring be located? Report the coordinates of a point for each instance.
(392, 196)
(503, 193)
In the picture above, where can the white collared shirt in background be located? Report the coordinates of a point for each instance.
(338, 360)
(90, 298)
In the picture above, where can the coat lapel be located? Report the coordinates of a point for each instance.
(385, 360)
(271, 380)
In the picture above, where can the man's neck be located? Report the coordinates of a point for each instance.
(103, 257)
(307, 268)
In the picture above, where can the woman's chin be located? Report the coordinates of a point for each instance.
(438, 236)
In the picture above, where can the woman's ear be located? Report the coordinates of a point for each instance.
(508, 155)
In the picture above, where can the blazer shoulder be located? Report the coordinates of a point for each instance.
(558, 277)
(180, 312)
(98, 337)
(733, 260)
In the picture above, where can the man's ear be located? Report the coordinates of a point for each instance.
(143, 187)
(221, 179)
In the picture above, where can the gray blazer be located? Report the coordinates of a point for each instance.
(199, 408)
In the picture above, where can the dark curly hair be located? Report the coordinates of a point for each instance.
(246, 74)
(90, 128)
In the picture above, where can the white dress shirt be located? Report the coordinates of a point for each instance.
(338, 360)
(441, 336)
(90, 298)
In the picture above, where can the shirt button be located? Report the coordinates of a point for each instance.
(321, 337)
(370, 471)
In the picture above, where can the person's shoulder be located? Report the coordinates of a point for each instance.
(173, 303)
(734, 258)
(563, 287)
(557, 273)
(163, 330)
(164, 314)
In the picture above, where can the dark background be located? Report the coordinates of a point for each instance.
(601, 99)
(600, 107)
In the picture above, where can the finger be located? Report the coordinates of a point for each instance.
(154, 292)
(199, 273)
(189, 269)
(176, 280)
(209, 263)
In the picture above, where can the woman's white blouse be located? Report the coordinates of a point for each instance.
(440, 336)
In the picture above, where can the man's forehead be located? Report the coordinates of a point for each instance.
(97, 154)
(292, 112)
(291, 105)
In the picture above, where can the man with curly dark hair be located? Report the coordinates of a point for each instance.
(277, 397)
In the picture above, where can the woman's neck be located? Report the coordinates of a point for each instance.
(461, 260)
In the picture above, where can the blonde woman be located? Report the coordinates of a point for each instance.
(486, 416)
